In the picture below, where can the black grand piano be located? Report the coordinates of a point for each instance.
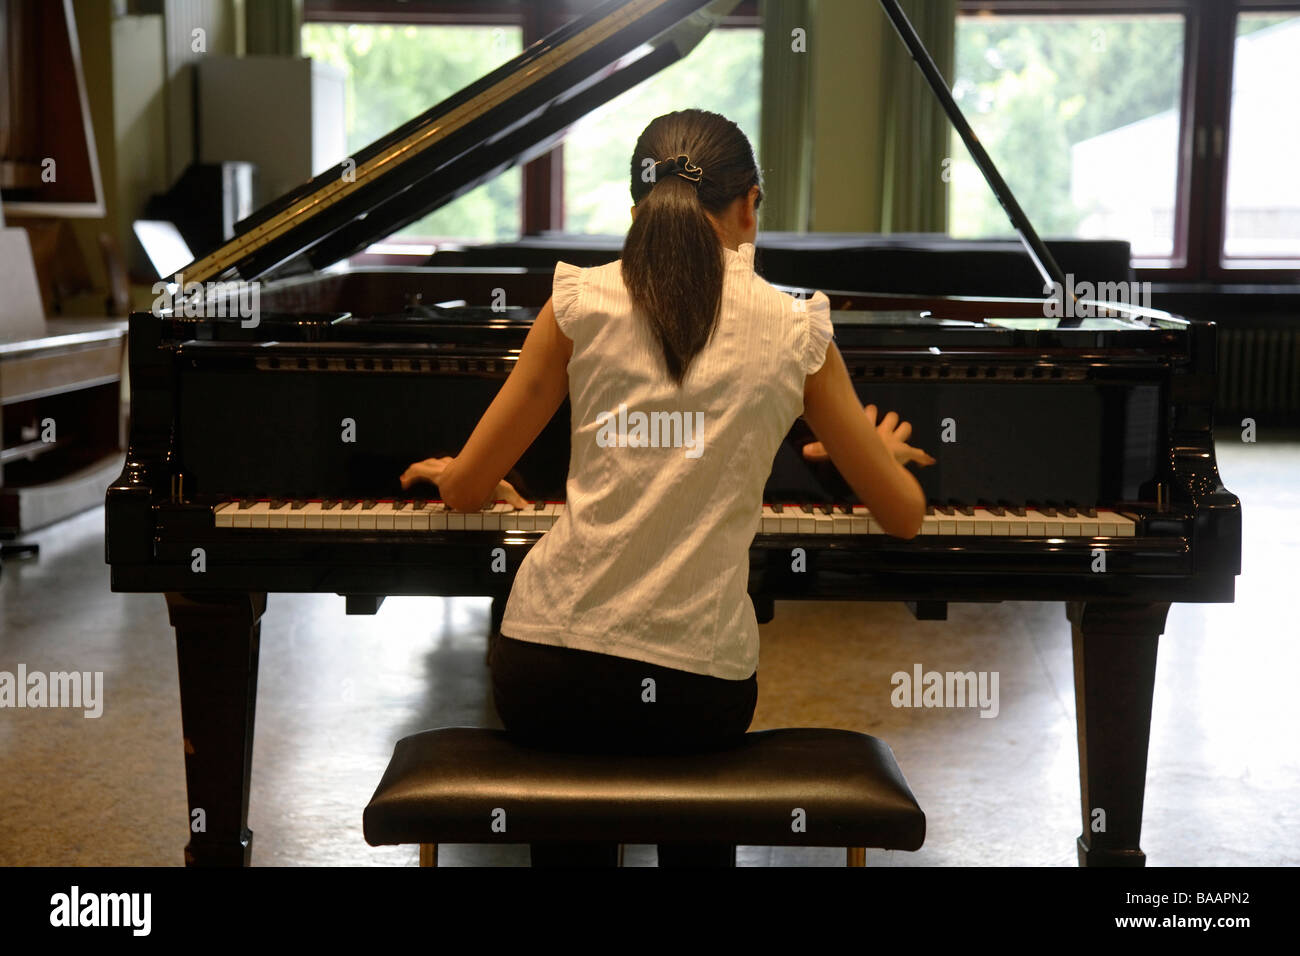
(1076, 460)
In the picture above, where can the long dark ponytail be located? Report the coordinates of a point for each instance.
(672, 257)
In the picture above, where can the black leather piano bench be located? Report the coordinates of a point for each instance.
(796, 787)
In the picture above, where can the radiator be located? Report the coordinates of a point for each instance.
(1259, 375)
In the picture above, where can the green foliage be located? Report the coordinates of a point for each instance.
(722, 74)
(396, 73)
(1031, 88)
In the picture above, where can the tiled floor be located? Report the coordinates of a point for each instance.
(335, 692)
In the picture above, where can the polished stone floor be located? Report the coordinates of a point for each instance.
(335, 692)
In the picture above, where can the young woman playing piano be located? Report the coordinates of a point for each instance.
(629, 626)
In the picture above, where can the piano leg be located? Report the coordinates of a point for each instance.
(217, 639)
(1114, 674)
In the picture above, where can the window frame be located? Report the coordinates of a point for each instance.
(1205, 101)
(542, 198)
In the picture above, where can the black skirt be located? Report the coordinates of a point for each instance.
(561, 698)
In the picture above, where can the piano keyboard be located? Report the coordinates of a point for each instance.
(776, 519)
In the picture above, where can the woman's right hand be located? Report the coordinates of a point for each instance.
(891, 431)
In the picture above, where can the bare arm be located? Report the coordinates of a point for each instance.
(866, 455)
(530, 396)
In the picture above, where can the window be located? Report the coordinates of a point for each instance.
(1081, 115)
(1169, 123)
(396, 72)
(1262, 215)
(722, 74)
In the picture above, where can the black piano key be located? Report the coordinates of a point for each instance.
(1016, 509)
(964, 508)
(993, 508)
(350, 505)
(368, 504)
(929, 508)
(779, 509)
(277, 503)
(828, 509)
(539, 505)
(1089, 512)
(297, 504)
(806, 509)
(846, 509)
(327, 504)
(398, 505)
(418, 504)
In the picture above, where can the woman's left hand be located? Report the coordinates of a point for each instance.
(431, 470)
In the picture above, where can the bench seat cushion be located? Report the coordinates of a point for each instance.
(449, 785)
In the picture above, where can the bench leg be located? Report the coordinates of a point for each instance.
(857, 856)
(428, 854)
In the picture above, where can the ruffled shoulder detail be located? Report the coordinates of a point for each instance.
(818, 331)
(566, 290)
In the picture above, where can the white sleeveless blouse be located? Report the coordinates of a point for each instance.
(650, 559)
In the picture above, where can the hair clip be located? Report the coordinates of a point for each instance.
(681, 165)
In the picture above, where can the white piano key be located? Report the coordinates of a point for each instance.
(930, 524)
(240, 518)
(403, 516)
(1078, 525)
(223, 515)
(455, 520)
(862, 522)
(350, 515)
(420, 517)
(963, 524)
(983, 522)
(550, 514)
(277, 515)
(1036, 523)
(842, 523)
(331, 519)
(438, 515)
(490, 517)
(313, 519)
(1016, 525)
(824, 523)
(807, 524)
(384, 515)
(367, 520)
(259, 515)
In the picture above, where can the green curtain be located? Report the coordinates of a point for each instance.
(785, 135)
(273, 27)
(917, 133)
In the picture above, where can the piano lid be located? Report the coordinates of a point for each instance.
(1038, 252)
(516, 112)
